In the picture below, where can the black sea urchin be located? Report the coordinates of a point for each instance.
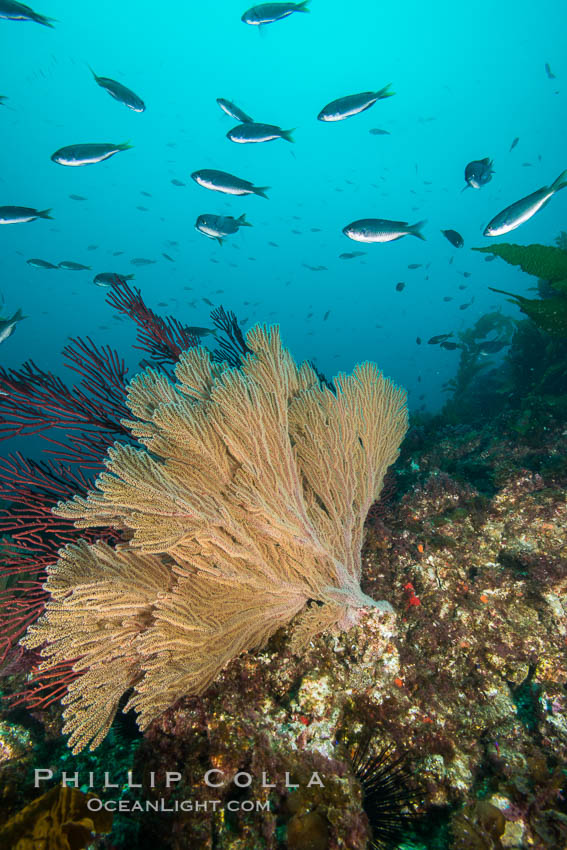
(389, 792)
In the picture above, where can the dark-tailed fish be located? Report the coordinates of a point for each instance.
(221, 181)
(248, 132)
(40, 264)
(201, 332)
(21, 215)
(454, 238)
(352, 104)
(415, 265)
(478, 173)
(142, 261)
(400, 286)
(267, 13)
(549, 72)
(107, 278)
(520, 212)
(70, 266)
(120, 93)
(219, 226)
(350, 255)
(514, 143)
(435, 340)
(449, 346)
(381, 230)
(8, 326)
(167, 257)
(12, 11)
(87, 154)
(376, 131)
(230, 108)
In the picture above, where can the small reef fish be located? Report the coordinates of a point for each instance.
(87, 154)
(2, 99)
(8, 326)
(70, 266)
(78, 198)
(142, 261)
(267, 13)
(449, 346)
(251, 132)
(218, 226)
(514, 143)
(107, 278)
(454, 238)
(376, 131)
(21, 215)
(12, 11)
(177, 182)
(549, 72)
(435, 340)
(120, 93)
(400, 286)
(230, 108)
(381, 230)
(478, 173)
(352, 104)
(350, 255)
(40, 264)
(201, 332)
(221, 181)
(521, 211)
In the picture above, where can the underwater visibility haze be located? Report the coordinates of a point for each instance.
(217, 559)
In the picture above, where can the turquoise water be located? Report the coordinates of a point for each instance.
(467, 81)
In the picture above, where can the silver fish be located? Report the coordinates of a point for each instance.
(352, 104)
(252, 132)
(230, 108)
(70, 266)
(8, 326)
(381, 230)
(21, 215)
(267, 13)
(12, 11)
(40, 264)
(87, 154)
(478, 173)
(221, 181)
(520, 212)
(107, 278)
(120, 93)
(217, 226)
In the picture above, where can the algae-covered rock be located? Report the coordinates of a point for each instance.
(549, 314)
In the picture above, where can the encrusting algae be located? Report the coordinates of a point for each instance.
(247, 503)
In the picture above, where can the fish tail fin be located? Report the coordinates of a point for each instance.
(560, 183)
(415, 229)
(18, 315)
(46, 22)
(220, 240)
(385, 92)
(242, 221)
(92, 72)
(44, 214)
(261, 190)
(467, 186)
(302, 7)
(287, 134)
(128, 276)
(125, 146)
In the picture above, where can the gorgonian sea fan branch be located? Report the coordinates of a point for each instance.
(163, 339)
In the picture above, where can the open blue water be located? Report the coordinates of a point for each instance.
(468, 80)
